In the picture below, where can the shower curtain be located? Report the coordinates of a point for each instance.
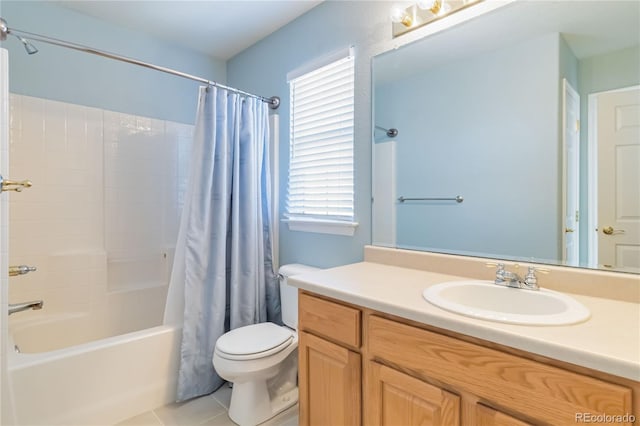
(222, 276)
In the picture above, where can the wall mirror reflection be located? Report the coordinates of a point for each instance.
(530, 113)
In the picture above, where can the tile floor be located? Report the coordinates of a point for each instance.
(209, 410)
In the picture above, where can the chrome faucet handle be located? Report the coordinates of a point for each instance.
(530, 281)
(500, 271)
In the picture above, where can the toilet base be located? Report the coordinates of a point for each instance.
(262, 387)
(251, 405)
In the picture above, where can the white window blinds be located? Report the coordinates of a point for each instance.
(321, 156)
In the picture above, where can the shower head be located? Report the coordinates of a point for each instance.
(4, 30)
(30, 48)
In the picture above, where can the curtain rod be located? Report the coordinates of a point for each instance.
(274, 101)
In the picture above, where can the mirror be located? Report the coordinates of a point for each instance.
(529, 113)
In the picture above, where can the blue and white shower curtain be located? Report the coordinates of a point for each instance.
(223, 276)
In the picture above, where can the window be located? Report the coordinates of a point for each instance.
(320, 196)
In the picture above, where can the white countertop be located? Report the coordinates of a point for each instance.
(609, 341)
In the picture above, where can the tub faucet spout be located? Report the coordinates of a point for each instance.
(19, 307)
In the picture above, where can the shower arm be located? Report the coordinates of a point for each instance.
(391, 133)
(274, 101)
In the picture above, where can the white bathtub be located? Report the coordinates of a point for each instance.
(96, 383)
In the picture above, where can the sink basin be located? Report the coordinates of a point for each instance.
(488, 301)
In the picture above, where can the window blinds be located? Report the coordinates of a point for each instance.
(321, 157)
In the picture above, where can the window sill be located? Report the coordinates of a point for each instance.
(319, 226)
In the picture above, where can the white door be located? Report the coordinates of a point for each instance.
(571, 173)
(618, 136)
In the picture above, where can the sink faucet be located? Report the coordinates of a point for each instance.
(506, 278)
(512, 279)
(19, 307)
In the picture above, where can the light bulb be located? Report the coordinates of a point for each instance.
(436, 7)
(397, 13)
(400, 16)
(426, 4)
(444, 9)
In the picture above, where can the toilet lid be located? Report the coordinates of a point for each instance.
(256, 339)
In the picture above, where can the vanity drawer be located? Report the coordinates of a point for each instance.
(329, 319)
(548, 394)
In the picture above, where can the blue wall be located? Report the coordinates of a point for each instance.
(69, 76)
(262, 69)
(484, 127)
(613, 70)
(331, 26)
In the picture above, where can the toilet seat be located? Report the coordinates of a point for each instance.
(254, 341)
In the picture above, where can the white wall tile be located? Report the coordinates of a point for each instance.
(55, 131)
(102, 212)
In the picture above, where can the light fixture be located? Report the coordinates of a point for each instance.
(423, 12)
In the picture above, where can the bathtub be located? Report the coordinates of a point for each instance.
(101, 382)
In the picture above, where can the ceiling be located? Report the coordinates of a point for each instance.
(219, 28)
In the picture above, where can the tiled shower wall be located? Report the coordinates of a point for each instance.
(101, 219)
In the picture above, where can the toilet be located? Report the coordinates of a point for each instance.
(261, 360)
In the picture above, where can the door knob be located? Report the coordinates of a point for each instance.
(12, 185)
(610, 231)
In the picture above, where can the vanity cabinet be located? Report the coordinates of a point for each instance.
(330, 363)
(329, 383)
(359, 366)
(530, 389)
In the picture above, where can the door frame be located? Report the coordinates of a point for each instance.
(6, 398)
(567, 88)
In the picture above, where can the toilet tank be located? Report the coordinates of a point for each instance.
(289, 294)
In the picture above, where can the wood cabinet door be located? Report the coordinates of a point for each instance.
(486, 416)
(395, 398)
(546, 393)
(329, 378)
